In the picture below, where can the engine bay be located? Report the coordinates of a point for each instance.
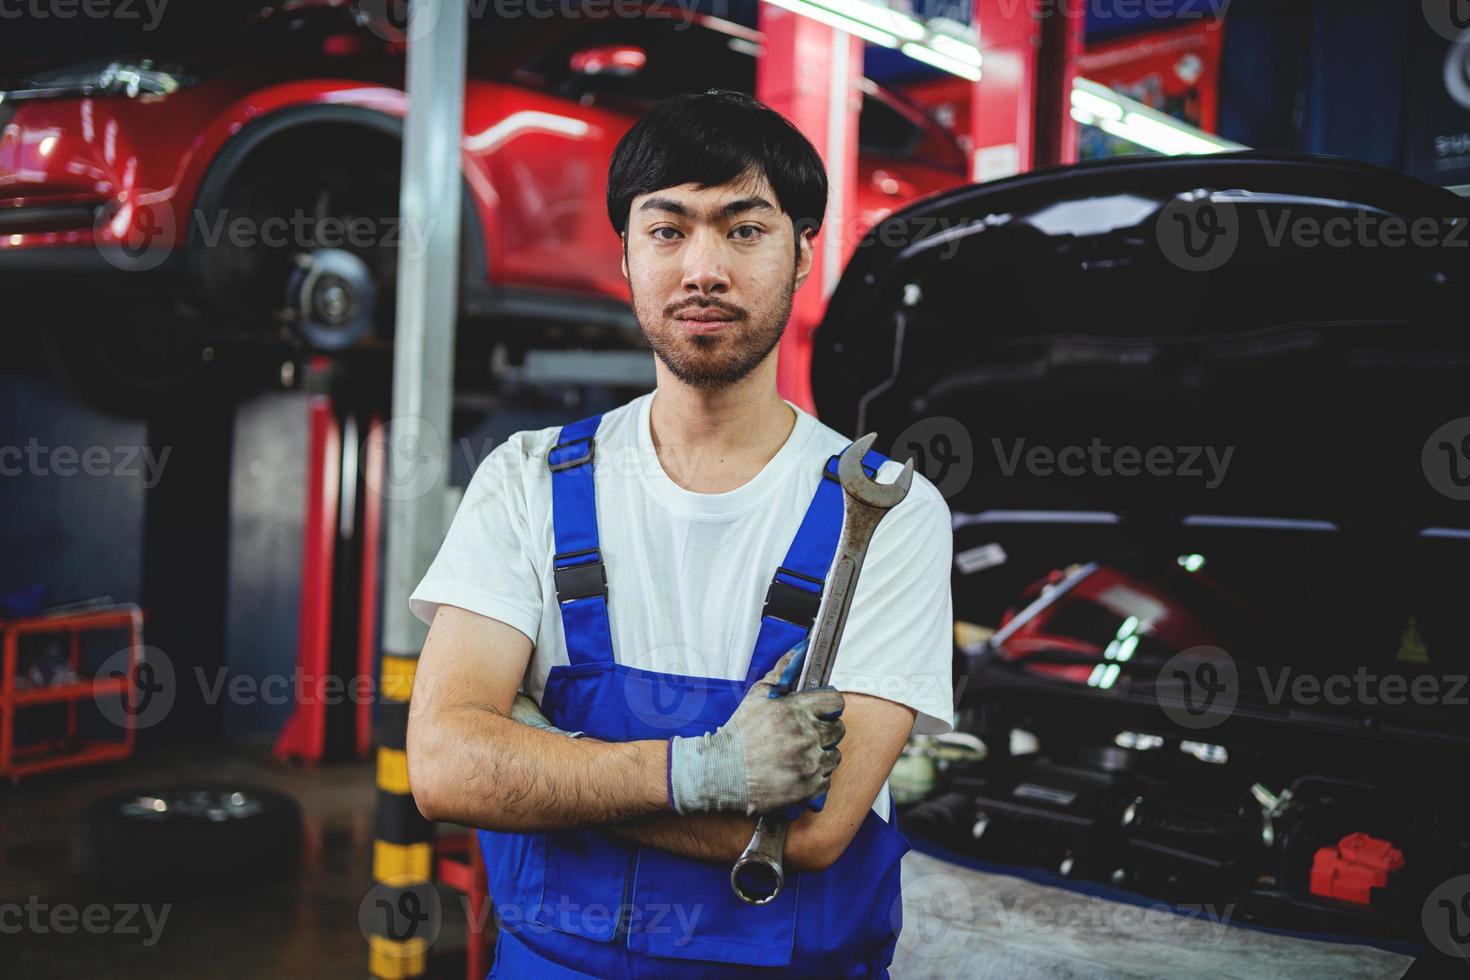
(1152, 726)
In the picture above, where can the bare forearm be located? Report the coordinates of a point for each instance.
(476, 767)
(707, 836)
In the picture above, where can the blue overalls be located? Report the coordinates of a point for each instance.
(586, 902)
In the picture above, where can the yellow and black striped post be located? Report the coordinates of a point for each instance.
(430, 200)
(403, 841)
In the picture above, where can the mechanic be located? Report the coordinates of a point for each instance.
(642, 617)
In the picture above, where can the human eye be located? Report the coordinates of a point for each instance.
(757, 229)
(660, 228)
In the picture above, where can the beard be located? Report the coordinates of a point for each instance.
(718, 360)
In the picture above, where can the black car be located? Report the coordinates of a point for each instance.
(1204, 429)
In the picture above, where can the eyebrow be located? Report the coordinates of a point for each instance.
(671, 206)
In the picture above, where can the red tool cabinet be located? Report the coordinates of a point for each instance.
(25, 760)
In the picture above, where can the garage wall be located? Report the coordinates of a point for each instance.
(94, 505)
(79, 535)
(1303, 75)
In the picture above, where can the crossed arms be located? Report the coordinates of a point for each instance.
(469, 763)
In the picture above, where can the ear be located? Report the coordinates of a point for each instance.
(804, 255)
(624, 262)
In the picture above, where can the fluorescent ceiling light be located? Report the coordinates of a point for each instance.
(886, 26)
(1091, 104)
(824, 15)
(931, 57)
(883, 18)
(1169, 139)
(1097, 105)
(958, 50)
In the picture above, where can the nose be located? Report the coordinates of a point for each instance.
(706, 269)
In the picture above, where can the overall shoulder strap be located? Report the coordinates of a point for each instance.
(795, 593)
(581, 578)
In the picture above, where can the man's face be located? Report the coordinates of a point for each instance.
(724, 254)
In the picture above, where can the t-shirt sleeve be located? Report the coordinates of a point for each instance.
(485, 563)
(899, 640)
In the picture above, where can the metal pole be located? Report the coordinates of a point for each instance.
(417, 463)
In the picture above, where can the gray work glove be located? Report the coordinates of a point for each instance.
(772, 753)
(527, 712)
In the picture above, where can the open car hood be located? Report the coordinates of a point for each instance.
(1237, 386)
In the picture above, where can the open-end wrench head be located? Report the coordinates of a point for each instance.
(867, 491)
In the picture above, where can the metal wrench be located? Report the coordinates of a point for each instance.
(758, 876)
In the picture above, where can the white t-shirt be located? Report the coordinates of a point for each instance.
(687, 572)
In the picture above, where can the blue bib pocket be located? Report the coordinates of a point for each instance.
(514, 867)
(685, 909)
(587, 872)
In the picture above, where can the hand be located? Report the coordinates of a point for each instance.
(527, 712)
(772, 753)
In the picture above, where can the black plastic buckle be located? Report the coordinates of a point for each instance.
(567, 464)
(579, 581)
(794, 605)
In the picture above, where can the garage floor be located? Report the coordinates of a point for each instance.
(958, 923)
(305, 927)
(964, 924)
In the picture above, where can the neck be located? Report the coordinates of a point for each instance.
(716, 441)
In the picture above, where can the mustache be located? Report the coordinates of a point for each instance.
(734, 312)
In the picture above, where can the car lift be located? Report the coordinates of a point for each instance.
(808, 72)
(1021, 109)
(337, 634)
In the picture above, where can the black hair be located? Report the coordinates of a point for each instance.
(711, 138)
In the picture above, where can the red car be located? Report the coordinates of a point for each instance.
(248, 193)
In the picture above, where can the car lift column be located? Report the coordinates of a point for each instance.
(808, 72)
(337, 634)
(418, 458)
(1021, 110)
